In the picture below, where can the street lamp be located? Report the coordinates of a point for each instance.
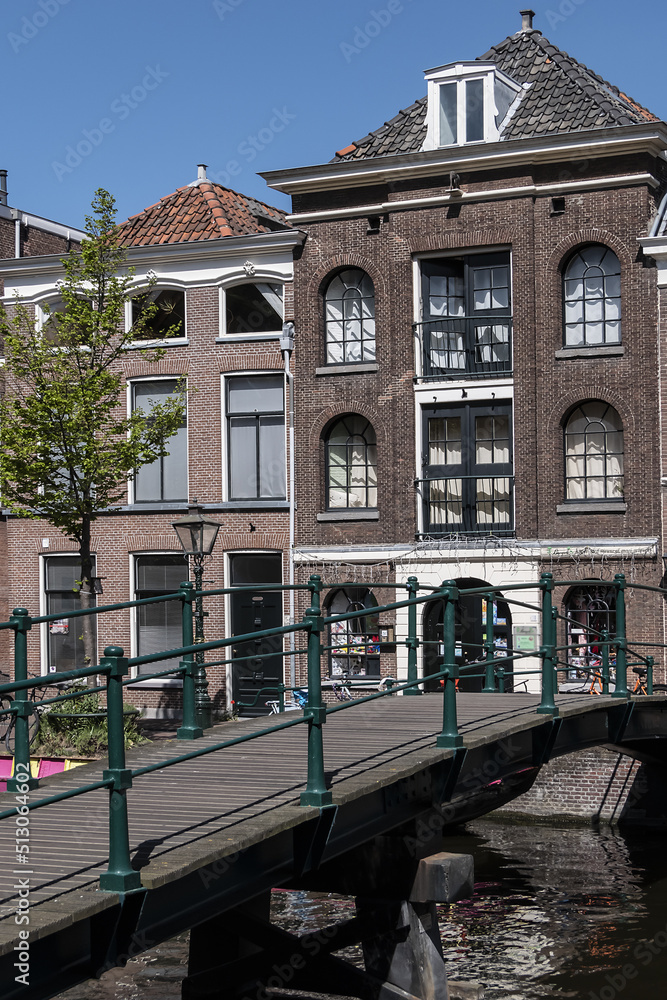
(197, 535)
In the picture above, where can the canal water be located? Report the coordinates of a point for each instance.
(557, 912)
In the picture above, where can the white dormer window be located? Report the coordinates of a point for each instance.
(467, 102)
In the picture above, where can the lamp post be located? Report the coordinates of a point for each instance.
(197, 535)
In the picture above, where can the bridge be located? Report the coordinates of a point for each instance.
(350, 798)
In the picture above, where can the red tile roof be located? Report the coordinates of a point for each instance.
(205, 211)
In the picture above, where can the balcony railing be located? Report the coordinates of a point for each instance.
(471, 505)
(465, 347)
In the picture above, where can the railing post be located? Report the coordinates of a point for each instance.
(604, 641)
(120, 876)
(316, 793)
(412, 641)
(449, 738)
(490, 667)
(23, 703)
(649, 674)
(189, 730)
(548, 704)
(620, 641)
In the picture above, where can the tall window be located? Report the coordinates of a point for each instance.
(468, 480)
(350, 317)
(62, 584)
(158, 626)
(256, 437)
(254, 307)
(351, 457)
(355, 642)
(466, 315)
(592, 298)
(594, 453)
(165, 479)
(589, 611)
(168, 320)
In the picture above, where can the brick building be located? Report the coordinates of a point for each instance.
(223, 266)
(476, 376)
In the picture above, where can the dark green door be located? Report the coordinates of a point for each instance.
(256, 671)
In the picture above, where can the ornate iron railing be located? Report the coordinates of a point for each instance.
(465, 347)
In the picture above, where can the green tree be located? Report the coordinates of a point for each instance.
(67, 449)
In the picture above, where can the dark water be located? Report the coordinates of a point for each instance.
(557, 913)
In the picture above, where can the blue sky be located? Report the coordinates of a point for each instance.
(131, 94)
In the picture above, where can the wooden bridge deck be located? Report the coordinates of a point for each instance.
(176, 814)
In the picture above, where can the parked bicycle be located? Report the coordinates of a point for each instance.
(8, 721)
(640, 684)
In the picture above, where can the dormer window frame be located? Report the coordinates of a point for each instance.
(460, 75)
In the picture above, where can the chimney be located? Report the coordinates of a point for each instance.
(3, 187)
(201, 171)
(527, 19)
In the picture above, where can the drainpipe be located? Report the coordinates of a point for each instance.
(287, 346)
(17, 235)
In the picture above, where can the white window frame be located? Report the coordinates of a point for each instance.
(130, 483)
(160, 682)
(159, 287)
(44, 626)
(257, 279)
(225, 436)
(460, 74)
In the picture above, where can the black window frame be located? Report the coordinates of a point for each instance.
(257, 416)
(469, 471)
(564, 300)
(440, 336)
(587, 454)
(348, 465)
(372, 355)
(354, 644)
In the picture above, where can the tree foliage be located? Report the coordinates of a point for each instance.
(67, 446)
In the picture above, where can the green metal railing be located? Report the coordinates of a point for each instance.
(115, 668)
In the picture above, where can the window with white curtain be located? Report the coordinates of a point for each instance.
(165, 479)
(158, 626)
(468, 481)
(592, 298)
(351, 457)
(594, 453)
(350, 318)
(256, 437)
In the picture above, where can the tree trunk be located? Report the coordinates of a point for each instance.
(87, 596)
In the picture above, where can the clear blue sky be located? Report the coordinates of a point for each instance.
(146, 89)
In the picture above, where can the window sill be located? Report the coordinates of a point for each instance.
(350, 515)
(592, 507)
(236, 338)
(151, 345)
(352, 369)
(601, 351)
(167, 682)
(232, 505)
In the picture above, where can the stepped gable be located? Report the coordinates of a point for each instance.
(563, 96)
(200, 211)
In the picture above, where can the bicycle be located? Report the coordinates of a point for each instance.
(8, 720)
(299, 700)
(640, 683)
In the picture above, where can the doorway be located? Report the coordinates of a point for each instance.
(470, 632)
(254, 611)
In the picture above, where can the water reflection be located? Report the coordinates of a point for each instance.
(557, 913)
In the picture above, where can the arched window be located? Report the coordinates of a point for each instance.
(351, 462)
(350, 318)
(594, 453)
(592, 298)
(167, 319)
(355, 643)
(589, 611)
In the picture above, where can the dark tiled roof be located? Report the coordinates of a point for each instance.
(564, 96)
(205, 211)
